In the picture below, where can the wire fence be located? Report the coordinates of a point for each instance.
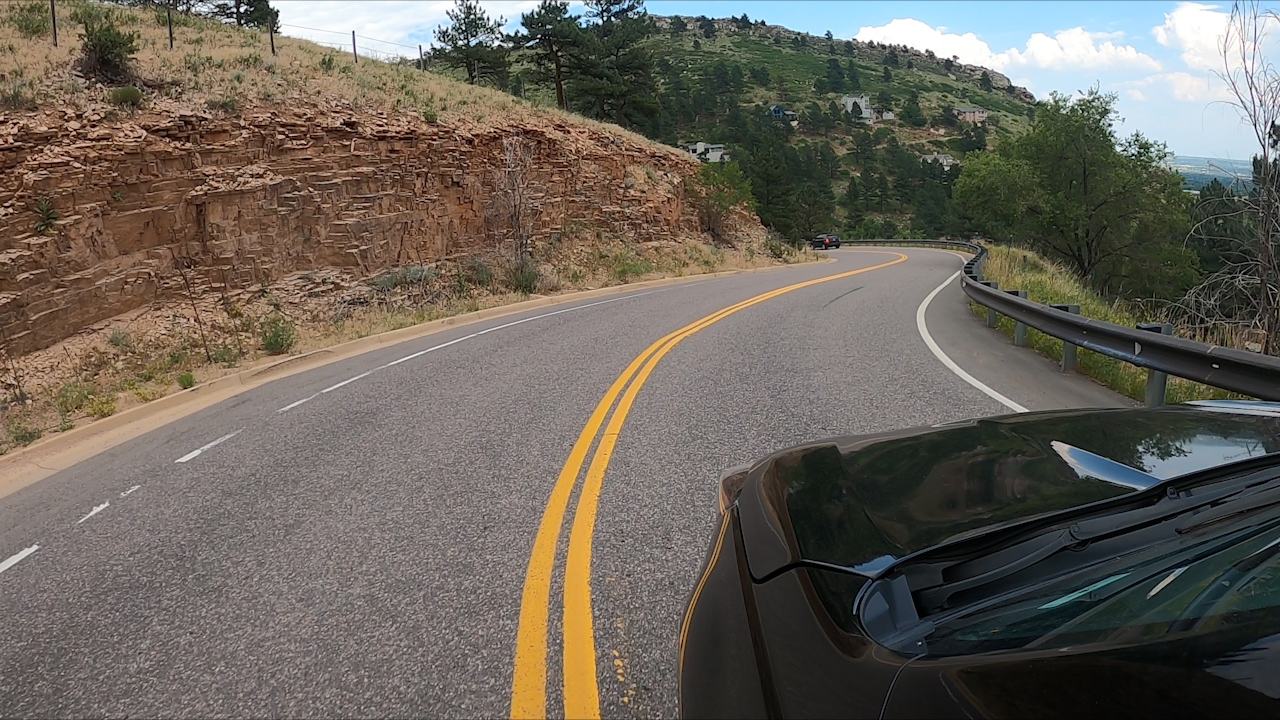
(344, 40)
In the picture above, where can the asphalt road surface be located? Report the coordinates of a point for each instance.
(359, 542)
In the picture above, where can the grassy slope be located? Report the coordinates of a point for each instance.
(1047, 282)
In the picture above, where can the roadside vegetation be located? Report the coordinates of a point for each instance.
(164, 349)
(1049, 282)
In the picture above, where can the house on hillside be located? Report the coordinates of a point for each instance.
(780, 113)
(863, 103)
(882, 114)
(971, 114)
(945, 160)
(707, 152)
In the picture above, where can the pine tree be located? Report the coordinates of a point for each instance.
(612, 73)
(473, 42)
(549, 31)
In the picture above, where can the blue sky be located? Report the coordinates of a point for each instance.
(1158, 57)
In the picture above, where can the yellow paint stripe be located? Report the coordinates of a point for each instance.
(581, 691)
(529, 682)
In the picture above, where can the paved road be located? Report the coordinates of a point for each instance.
(364, 553)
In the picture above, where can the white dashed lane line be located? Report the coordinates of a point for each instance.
(94, 511)
(126, 493)
(196, 453)
(14, 560)
(420, 353)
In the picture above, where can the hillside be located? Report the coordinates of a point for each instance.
(221, 202)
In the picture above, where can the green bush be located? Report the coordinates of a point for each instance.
(119, 339)
(278, 334)
(30, 19)
(101, 406)
(106, 52)
(328, 62)
(523, 275)
(477, 272)
(186, 381)
(224, 104)
(46, 215)
(20, 434)
(17, 94)
(127, 96)
(72, 397)
(628, 266)
(413, 275)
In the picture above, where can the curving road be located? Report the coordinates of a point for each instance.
(363, 540)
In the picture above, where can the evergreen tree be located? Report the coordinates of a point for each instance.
(888, 76)
(678, 25)
(835, 76)
(984, 81)
(549, 32)
(852, 82)
(611, 72)
(473, 41)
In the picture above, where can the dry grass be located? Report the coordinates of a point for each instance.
(211, 63)
(1050, 283)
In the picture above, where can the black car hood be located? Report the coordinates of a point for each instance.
(864, 501)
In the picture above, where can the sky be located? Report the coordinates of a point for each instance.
(1162, 59)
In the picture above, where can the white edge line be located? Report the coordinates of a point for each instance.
(14, 560)
(94, 511)
(951, 365)
(420, 353)
(194, 453)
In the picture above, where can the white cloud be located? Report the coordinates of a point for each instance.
(1196, 31)
(396, 21)
(1070, 49)
(1180, 86)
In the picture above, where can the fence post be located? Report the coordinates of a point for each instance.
(1068, 349)
(1019, 328)
(168, 13)
(992, 317)
(53, 13)
(422, 64)
(1156, 381)
(354, 57)
(271, 35)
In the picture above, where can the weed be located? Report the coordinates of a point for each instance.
(46, 215)
(779, 249)
(252, 61)
(186, 381)
(195, 63)
(278, 334)
(328, 62)
(65, 424)
(227, 355)
(413, 275)
(523, 275)
(101, 406)
(127, 96)
(119, 339)
(145, 394)
(20, 434)
(224, 104)
(30, 19)
(17, 94)
(72, 397)
(628, 266)
(478, 271)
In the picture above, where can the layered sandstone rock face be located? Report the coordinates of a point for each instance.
(234, 201)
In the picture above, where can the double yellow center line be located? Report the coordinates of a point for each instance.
(581, 693)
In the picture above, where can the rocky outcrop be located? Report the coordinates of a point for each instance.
(233, 201)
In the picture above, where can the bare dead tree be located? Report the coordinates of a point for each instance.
(1245, 292)
(177, 264)
(514, 189)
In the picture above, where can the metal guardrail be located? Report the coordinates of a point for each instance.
(1150, 345)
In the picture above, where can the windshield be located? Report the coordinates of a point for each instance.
(1176, 587)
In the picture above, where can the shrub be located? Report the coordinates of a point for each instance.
(127, 96)
(106, 52)
(328, 62)
(101, 406)
(119, 339)
(778, 249)
(523, 275)
(186, 381)
(627, 266)
(20, 434)
(278, 334)
(719, 188)
(72, 397)
(226, 354)
(413, 275)
(46, 215)
(17, 94)
(477, 271)
(224, 104)
(30, 19)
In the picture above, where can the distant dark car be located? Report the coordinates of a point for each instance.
(824, 242)
(1077, 564)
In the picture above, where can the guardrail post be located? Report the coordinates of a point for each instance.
(1019, 328)
(992, 318)
(1068, 349)
(1156, 381)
